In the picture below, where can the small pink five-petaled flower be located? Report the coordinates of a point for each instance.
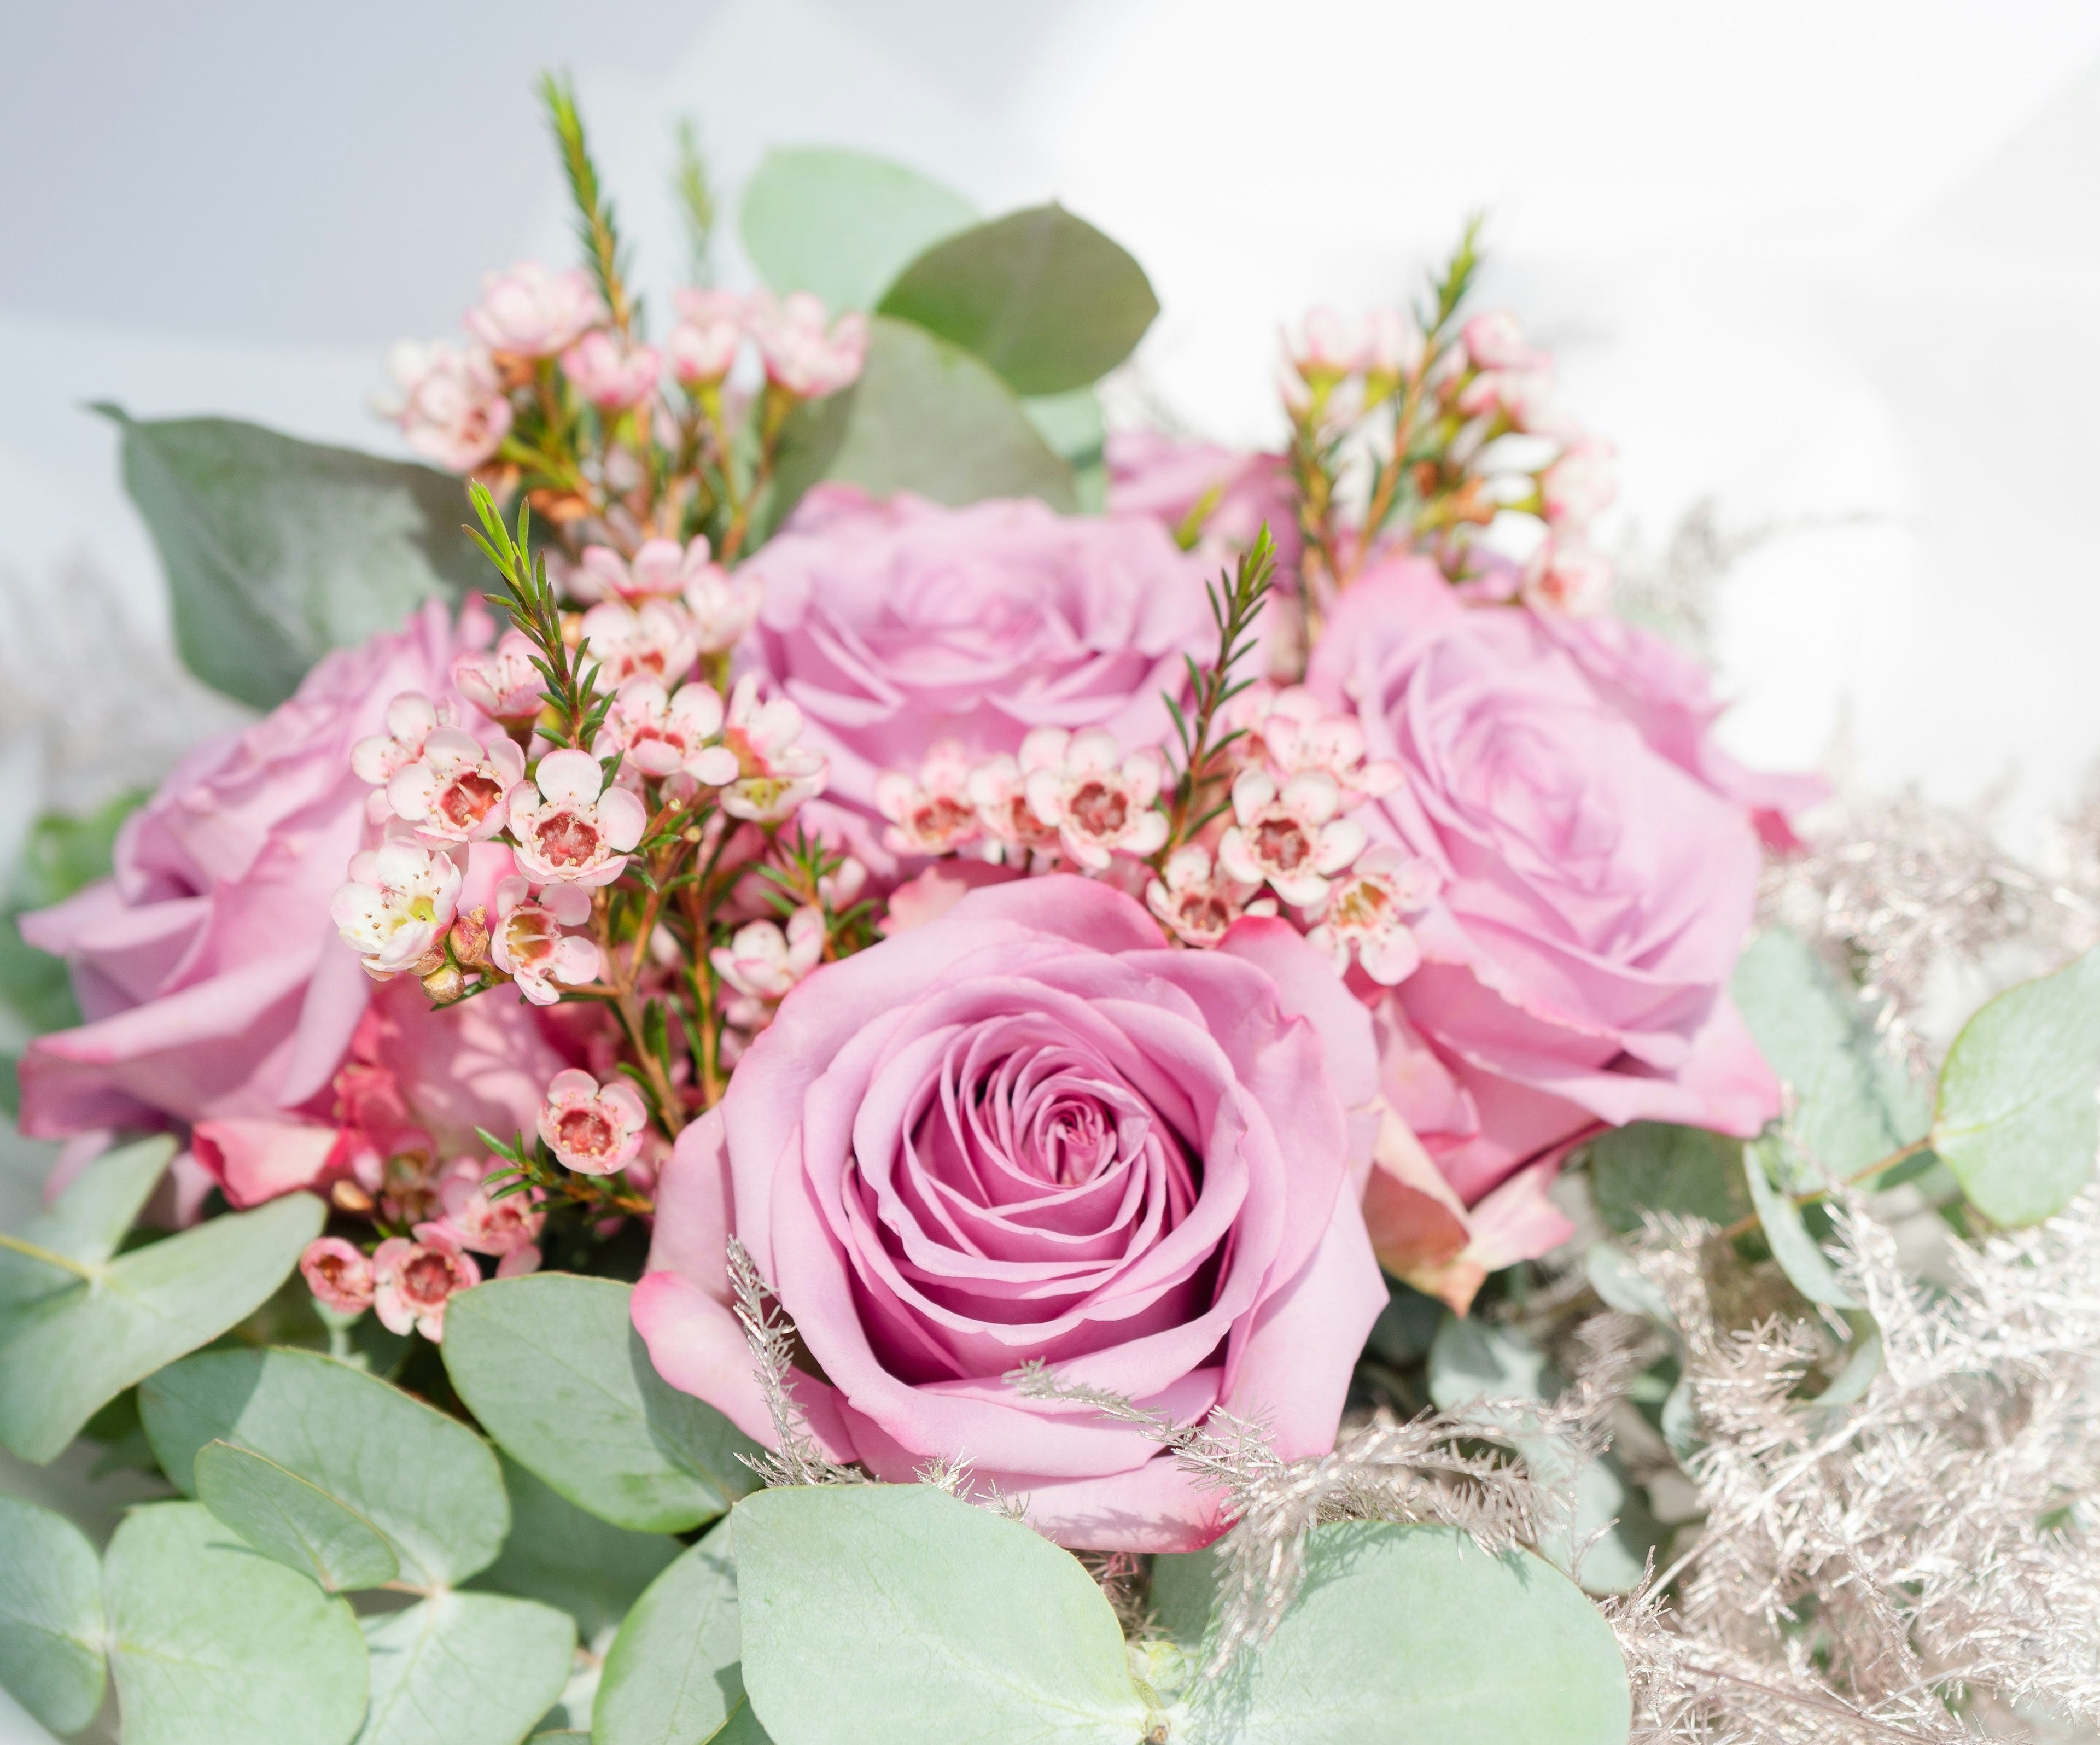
(506, 1229)
(503, 684)
(612, 373)
(339, 1275)
(414, 1281)
(656, 639)
(999, 792)
(1290, 730)
(1367, 914)
(395, 905)
(1098, 800)
(935, 814)
(703, 345)
(658, 570)
(528, 943)
(531, 312)
(799, 355)
(594, 1130)
(1289, 838)
(775, 773)
(659, 734)
(763, 964)
(454, 792)
(570, 828)
(1196, 902)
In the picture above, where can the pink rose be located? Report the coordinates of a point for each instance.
(1030, 1130)
(217, 993)
(1595, 891)
(898, 624)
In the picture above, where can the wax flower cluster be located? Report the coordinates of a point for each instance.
(1446, 429)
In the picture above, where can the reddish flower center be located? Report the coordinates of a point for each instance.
(939, 818)
(464, 800)
(1101, 810)
(332, 1269)
(585, 1132)
(426, 1277)
(566, 840)
(1203, 913)
(1280, 843)
(528, 936)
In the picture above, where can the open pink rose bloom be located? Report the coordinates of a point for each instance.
(1032, 1131)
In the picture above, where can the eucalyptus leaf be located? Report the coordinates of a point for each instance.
(925, 416)
(2016, 1121)
(1041, 296)
(1605, 1541)
(298, 1523)
(1855, 1103)
(1410, 1635)
(65, 1355)
(464, 1669)
(278, 550)
(211, 1640)
(842, 224)
(1798, 1253)
(553, 1367)
(50, 1616)
(892, 1614)
(424, 1480)
(672, 1675)
(86, 1223)
(557, 1553)
(1654, 1166)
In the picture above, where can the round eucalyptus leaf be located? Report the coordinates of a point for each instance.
(1414, 1636)
(464, 1669)
(1044, 297)
(422, 1479)
(65, 1356)
(299, 1524)
(214, 1644)
(841, 224)
(892, 1614)
(672, 1675)
(558, 1553)
(2016, 1121)
(50, 1616)
(553, 1367)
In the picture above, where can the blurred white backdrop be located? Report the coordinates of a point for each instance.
(1836, 268)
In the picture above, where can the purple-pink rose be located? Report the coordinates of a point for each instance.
(1600, 871)
(900, 624)
(1030, 1130)
(216, 989)
(1169, 480)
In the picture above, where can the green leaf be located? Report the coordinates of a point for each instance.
(464, 1669)
(86, 1223)
(672, 1675)
(1041, 296)
(1651, 1166)
(213, 1644)
(1073, 427)
(1855, 1102)
(841, 223)
(50, 1616)
(1406, 1634)
(1800, 1257)
(556, 1553)
(892, 1614)
(278, 550)
(553, 1367)
(1611, 1530)
(62, 856)
(424, 1480)
(924, 416)
(298, 1523)
(2016, 1121)
(64, 1354)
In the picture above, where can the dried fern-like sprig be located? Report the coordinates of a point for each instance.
(770, 1334)
(1912, 1565)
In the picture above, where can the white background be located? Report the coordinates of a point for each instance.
(1834, 265)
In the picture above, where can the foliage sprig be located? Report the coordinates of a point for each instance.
(1235, 605)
